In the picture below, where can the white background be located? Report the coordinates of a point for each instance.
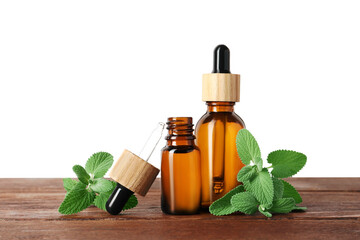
(77, 77)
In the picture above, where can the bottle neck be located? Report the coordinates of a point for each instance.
(220, 106)
(181, 141)
(180, 131)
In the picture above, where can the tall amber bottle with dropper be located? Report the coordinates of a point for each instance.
(216, 131)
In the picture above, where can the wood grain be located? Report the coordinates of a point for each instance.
(28, 210)
(221, 87)
(134, 173)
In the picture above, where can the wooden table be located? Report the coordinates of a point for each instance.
(28, 210)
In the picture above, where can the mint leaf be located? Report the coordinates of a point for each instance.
(82, 175)
(283, 205)
(101, 185)
(290, 192)
(261, 186)
(99, 163)
(69, 183)
(259, 163)
(286, 163)
(244, 202)
(77, 199)
(223, 206)
(247, 147)
(246, 173)
(278, 188)
(101, 199)
(131, 203)
(264, 212)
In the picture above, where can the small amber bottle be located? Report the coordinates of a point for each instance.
(216, 131)
(180, 169)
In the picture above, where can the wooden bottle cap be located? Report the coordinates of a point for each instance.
(134, 173)
(221, 87)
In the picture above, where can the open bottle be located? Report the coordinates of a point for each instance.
(180, 169)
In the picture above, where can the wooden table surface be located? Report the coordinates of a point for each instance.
(28, 210)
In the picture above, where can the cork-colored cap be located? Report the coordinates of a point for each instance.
(134, 173)
(221, 87)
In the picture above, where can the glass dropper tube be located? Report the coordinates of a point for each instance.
(121, 194)
(152, 142)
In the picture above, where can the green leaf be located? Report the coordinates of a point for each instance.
(261, 186)
(299, 208)
(283, 205)
(278, 188)
(101, 199)
(244, 202)
(82, 175)
(223, 206)
(259, 163)
(247, 147)
(264, 212)
(286, 163)
(101, 185)
(69, 183)
(78, 199)
(131, 203)
(99, 163)
(246, 173)
(290, 192)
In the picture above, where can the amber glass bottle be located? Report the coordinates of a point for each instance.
(216, 137)
(216, 131)
(180, 169)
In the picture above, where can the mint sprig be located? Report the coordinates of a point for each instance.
(91, 188)
(263, 190)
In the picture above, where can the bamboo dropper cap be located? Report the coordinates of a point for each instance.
(221, 85)
(134, 173)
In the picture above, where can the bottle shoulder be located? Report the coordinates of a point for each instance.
(220, 116)
(180, 148)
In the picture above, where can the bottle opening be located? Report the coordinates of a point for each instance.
(179, 126)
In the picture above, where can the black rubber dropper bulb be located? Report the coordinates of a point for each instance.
(221, 59)
(118, 199)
